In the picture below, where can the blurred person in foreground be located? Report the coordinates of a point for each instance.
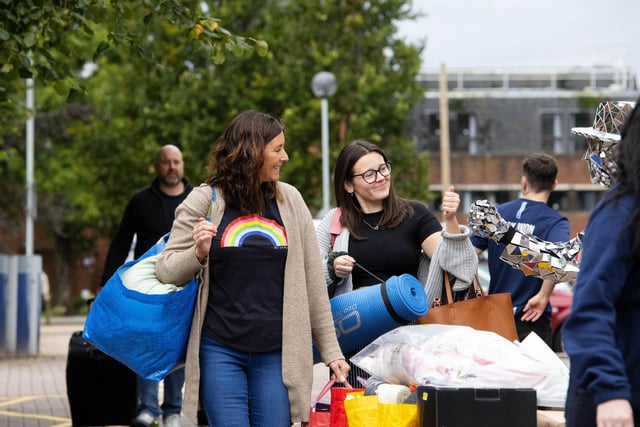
(602, 332)
(262, 300)
(148, 216)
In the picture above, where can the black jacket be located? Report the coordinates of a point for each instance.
(148, 215)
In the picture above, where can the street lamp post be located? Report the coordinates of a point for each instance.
(323, 86)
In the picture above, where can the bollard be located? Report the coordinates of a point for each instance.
(8, 303)
(20, 304)
(29, 304)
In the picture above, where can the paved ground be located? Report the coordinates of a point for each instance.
(33, 391)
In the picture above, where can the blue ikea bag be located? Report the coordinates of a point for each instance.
(148, 332)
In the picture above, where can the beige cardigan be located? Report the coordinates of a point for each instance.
(306, 308)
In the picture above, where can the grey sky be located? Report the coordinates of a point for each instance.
(533, 33)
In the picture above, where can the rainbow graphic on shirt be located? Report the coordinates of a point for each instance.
(253, 225)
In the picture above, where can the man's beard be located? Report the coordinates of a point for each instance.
(171, 181)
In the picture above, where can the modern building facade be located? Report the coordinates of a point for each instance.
(498, 116)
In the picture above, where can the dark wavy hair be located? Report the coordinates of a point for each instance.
(236, 158)
(396, 208)
(628, 174)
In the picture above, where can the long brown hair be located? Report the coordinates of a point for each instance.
(236, 158)
(396, 208)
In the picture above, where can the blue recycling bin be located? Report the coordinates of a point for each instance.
(20, 304)
(4, 303)
(29, 304)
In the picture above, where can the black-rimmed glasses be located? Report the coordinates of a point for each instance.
(371, 175)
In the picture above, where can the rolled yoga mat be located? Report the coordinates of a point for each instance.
(363, 315)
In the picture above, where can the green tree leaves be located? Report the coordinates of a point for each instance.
(169, 71)
(48, 39)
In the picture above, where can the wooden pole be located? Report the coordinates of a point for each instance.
(445, 169)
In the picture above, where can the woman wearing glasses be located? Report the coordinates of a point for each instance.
(387, 234)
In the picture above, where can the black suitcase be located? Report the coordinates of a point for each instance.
(101, 390)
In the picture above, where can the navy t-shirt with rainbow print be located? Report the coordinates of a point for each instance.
(247, 260)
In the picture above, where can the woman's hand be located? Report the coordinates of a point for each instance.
(203, 233)
(340, 369)
(614, 413)
(450, 204)
(343, 266)
(449, 207)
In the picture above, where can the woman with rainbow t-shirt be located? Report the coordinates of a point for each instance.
(262, 299)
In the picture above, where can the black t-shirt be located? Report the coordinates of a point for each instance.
(171, 203)
(393, 251)
(246, 282)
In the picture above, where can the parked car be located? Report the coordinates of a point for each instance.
(560, 300)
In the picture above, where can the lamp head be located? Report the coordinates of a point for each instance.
(323, 84)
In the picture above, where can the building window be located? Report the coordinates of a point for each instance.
(558, 200)
(587, 200)
(581, 119)
(463, 133)
(433, 132)
(552, 133)
(557, 137)
(495, 197)
(434, 125)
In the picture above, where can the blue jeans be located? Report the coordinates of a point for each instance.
(240, 389)
(172, 402)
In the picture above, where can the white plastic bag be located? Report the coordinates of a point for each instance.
(450, 356)
(552, 392)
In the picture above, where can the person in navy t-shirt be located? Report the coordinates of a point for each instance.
(531, 215)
